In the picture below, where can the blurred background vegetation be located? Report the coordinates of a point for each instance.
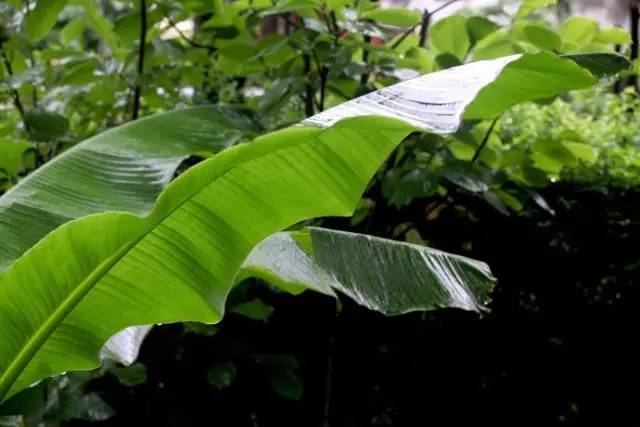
(547, 195)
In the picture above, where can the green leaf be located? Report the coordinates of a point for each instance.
(396, 16)
(536, 76)
(384, 275)
(480, 27)
(179, 262)
(43, 17)
(221, 375)
(121, 169)
(11, 153)
(101, 25)
(255, 309)
(583, 152)
(44, 125)
(579, 31)
(542, 37)
(613, 35)
(72, 31)
(529, 6)
(449, 35)
(129, 376)
(600, 64)
(287, 384)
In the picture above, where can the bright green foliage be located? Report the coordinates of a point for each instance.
(599, 131)
(43, 17)
(449, 35)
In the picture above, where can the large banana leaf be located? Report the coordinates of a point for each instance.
(94, 276)
(124, 169)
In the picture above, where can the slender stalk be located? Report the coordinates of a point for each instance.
(17, 102)
(364, 78)
(404, 36)
(189, 40)
(308, 90)
(424, 26)
(444, 6)
(426, 20)
(635, 37)
(143, 34)
(476, 155)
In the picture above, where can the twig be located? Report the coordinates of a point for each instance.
(324, 72)
(143, 35)
(424, 25)
(189, 40)
(308, 96)
(476, 155)
(426, 20)
(14, 92)
(404, 36)
(364, 78)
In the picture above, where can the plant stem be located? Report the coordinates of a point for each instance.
(476, 155)
(635, 36)
(14, 92)
(308, 90)
(426, 20)
(189, 40)
(424, 26)
(143, 35)
(324, 72)
(364, 78)
(404, 36)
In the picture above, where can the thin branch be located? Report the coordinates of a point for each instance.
(189, 40)
(324, 72)
(14, 92)
(143, 41)
(476, 155)
(424, 26)
(439, 8)
(426, 20)
(404, 36)
(364, 78)
(308, 90)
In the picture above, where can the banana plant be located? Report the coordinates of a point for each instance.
(89, 252)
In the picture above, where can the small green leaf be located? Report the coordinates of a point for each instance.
(542, 37)
(255, 309)
(11, 152)
(579, 31)
(221, 375)
(72, 31)
(44, 125)
(480, 27)
(614, 35)
(583, 152)
(287, 384)
(396, 16)
(43, 17)
(130, 376)
(529, 6)
(449, 35)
